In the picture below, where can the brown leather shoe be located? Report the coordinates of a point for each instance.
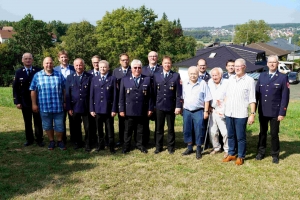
(229, 158)
(239, 161)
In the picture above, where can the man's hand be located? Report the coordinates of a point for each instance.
(35, 108)
(19, 106)
(205, 115)
(113, 114)
(251, 119)
(149, 113)
(70, 112)
(122, 114)
(177, 111)
(280, 118)
(93, 114)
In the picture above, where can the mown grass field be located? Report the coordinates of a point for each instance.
(37, 173)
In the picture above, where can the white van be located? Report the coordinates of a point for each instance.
(283, 68)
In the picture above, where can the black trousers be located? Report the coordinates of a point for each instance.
(121, 128)
(71, 127)
(92, 136)
(108, 122)
(133, 123)
(146, 135)
(161, 116)
(262, 142)
(37, 121)
(76, 132)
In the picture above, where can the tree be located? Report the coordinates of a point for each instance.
(31, 36)
(136, 32)
(80, 41)
(251, 32)
(58, 28)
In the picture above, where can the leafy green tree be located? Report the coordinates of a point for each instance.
(126, 30)
(251, 32)
(80, 41)
(58, 28)
(6, 68)
(31, 36)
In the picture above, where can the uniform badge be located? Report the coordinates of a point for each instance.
(128, 91)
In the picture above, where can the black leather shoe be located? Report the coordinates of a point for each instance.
(124, 151)
(275, 160)
(157, 151)
(78, 146)
(28, 143)
(100, 148)
(112, 150)
(259, 157)
(171, 151)
(119, 144)
(187, 152)
(41, 144)
(88, 148)
(198, 154)
(143, 150)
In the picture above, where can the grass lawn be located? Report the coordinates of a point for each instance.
(37, 173)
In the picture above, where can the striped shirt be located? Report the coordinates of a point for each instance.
(49, 89)
(195, 95)
(239, 94)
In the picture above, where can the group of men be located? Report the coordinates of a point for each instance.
(213, 103)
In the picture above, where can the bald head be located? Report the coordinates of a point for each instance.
(193, 73)
(48, 65)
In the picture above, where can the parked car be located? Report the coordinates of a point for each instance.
(293, 77)
(283, 68)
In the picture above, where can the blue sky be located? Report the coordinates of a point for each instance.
(192, 13)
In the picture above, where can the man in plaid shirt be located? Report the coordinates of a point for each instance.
(47, 95)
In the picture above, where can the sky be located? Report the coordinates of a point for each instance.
(192, 13)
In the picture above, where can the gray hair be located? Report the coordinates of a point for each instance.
(243, 61)
(80, 60)
(219, 69)
(136, 61)
(193, 68)
(27, 54)
(273, 56)
(105, 62)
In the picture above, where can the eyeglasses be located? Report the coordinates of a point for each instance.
(152, 56)
(124, 60)
(238, 66)
(137, 67)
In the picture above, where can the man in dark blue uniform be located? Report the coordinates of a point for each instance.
(149, 71)
(22, 100)
(104, 104)
(135, 105)
(272, 94)
(119, 73)
(66, 70)
(93, 129)
(167, 93)
(229, 68)
(77, 101)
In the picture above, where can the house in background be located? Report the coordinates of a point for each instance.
(218, 56)
(281, 43)
(6, 33)
(270, 50)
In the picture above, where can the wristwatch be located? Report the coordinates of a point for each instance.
(253, 113)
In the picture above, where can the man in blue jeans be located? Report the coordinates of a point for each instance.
(47, 96)
(196, 97)
(240, 93)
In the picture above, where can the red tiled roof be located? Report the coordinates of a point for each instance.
(6, 34)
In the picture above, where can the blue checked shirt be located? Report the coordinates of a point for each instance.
(49, 89)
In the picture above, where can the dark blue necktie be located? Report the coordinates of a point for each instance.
(97, 73)
(136, 81)
(28, 72)
(270, 76)
(103, 79)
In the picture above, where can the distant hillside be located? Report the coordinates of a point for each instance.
(231, 26)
